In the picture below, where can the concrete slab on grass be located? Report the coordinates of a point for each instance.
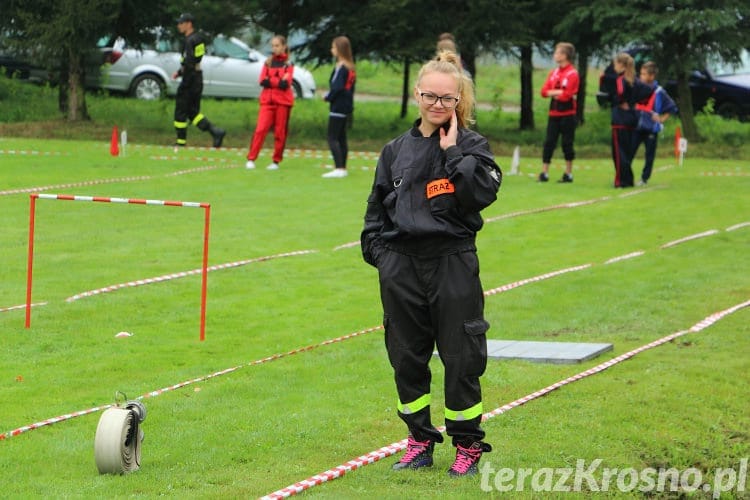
(545, 352)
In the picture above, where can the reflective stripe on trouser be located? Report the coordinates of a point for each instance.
(428, 302)
(187, 105)
(414, 406)
(197, 119)
(181, 129)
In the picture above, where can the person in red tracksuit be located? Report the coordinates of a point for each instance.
(624, 91)
(276, 101)
(562, 89)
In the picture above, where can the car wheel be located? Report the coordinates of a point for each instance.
(727, 110)
(147, 87)
(297, 89)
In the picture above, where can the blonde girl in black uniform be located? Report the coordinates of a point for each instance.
(420, 226)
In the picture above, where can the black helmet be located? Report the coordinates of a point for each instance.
(185, 17)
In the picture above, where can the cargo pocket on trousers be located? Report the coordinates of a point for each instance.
(475, 352)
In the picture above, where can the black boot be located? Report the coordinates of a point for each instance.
(218, 135)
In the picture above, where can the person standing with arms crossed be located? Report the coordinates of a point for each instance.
(420, 226)
(562, 89)
(188, 102)
(624, 91)
(276, 101)
(661, 106)
(341, 97)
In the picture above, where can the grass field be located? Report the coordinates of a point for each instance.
(264, 425)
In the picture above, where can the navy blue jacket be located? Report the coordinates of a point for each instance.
(341, 93)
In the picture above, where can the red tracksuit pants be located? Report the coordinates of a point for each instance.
(276, 116)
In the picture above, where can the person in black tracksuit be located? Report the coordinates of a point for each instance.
(422, 217)
(623, 91)
(188, 101)
(341, 98)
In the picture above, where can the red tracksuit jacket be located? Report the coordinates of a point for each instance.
(276, 81)
(567, 80)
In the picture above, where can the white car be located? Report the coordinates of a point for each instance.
(230, 69)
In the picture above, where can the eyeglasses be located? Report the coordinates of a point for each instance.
(448, 102)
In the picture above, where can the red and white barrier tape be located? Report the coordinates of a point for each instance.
(738, 226)
(689, 238)
(394, 448)
(624, 257)
(511, 286)
(725, 174)
(182, 274)
(75, 184)
(23, 152)
(22, 306)
(131, 201)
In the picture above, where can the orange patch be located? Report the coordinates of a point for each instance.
(438, 187)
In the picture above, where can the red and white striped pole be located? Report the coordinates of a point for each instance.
(131, 201)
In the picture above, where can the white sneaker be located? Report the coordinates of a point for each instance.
(336, 173)
(250, 164)
(273, 166)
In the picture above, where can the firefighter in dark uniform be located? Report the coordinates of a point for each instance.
(188, 103)
(419, 232)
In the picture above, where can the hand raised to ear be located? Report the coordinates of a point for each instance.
(448, 138)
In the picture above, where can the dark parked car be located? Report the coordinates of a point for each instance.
(728, 86)
(13, 66)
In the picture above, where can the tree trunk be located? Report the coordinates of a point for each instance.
(687, 115)
(469, 60)
(406, 91)
(77, 110)
(527, 91)
(62, 92)
(583, 71)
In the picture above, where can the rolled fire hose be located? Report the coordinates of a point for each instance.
(117, 446)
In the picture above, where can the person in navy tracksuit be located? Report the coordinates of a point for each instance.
(423, 213)
(276, 101)
(661, 106)
(624, 91)
(341, 97)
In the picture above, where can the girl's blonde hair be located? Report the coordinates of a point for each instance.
(344, 51)
(627, 62)
(282, 39)
(449, 63)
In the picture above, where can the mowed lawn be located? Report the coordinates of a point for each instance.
(289, 278)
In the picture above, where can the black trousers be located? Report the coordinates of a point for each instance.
(188, 106)
(188, 99)
(622, 155)
(649, 144)
(439, 302)
(557, 126)
(337, 140)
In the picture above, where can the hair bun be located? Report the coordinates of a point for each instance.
(448, 56)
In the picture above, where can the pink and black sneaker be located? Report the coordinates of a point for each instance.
(418, 454)
(468, 458)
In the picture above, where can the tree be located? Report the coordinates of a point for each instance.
(681, 37)
(64, 33)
